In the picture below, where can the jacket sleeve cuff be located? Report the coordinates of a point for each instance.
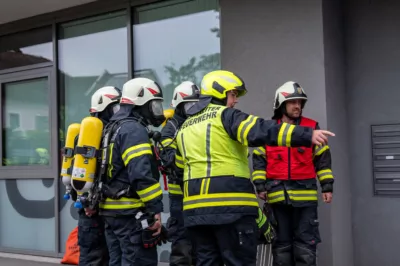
(260, 186)
(155, 207)
(328, 187)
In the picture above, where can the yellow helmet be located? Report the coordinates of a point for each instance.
(217, 83)
(169, 113)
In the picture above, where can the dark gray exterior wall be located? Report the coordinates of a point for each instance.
(336, 108)
(268, 43)
(373, 56)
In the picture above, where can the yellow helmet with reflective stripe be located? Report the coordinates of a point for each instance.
(217, 83)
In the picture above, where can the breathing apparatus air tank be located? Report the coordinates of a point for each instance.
(68, 156)
(86, 157)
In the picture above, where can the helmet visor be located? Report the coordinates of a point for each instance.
(156, 108)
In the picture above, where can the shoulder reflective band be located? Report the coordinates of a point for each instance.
(220, 200)
(285, 134)
(325, 174)
(168, 143)
(259, 175)
(136, 151)
(302, 195)
(244, 128)
(150, 193)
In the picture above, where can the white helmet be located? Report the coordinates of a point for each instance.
(187, 91)
(139, 91)
(289, 91)
(103, 97)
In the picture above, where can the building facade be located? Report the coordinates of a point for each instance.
(53, 56)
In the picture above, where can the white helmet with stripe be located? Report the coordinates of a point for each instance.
(187, 91)
(289, 91)
(103, 97)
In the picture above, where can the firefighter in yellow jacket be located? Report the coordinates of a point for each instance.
(220, 207)
(288, 176)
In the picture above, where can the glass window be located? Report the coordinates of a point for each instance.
(93, 53)
(26, 48)
(176, 43)
(173, 42)
(27, 214)
(25, 141)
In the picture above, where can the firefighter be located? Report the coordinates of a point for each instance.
(185, 96)
(91, 239)
(220, 206)
(133, 196)
(288, 177)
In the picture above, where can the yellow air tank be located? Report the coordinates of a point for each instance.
(68, 155)
(169, 113)
(86, 155)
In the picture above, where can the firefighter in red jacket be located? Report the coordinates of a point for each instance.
(286, 178)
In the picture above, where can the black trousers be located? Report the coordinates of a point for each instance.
(297, 235)
(92, 241)
(232, 244)
(125, 245)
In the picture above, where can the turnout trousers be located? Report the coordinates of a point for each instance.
(297, 235)
(182, 247)
(125, 245)
(91, 240)
(233, 244)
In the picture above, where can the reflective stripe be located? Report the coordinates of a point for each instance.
(175, 189)
(244, 129)
(110, 165)
(220, 199)
(320, 149)
(208, 151)
(285, 135)
(168, 142)
(122, 203)
(260, 151)
(136, 151)
(186, 189)
(205, 185)
(276, 196)
(179, 161)
(150, 193)
(184, 154)
(302, 195)
(261, 219)
(259, 175)
(325, 174)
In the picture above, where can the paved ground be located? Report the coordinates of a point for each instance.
(16, 262)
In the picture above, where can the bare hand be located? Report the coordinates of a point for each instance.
(262, 195)
(327, 197)
(157, 225)
(89, 212)
(320, 137)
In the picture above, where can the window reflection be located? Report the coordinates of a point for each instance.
(185, 48)
(92, 54)
(26, 48)
(25, 141)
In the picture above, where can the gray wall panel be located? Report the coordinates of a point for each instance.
(373, 42)
(342, 244)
